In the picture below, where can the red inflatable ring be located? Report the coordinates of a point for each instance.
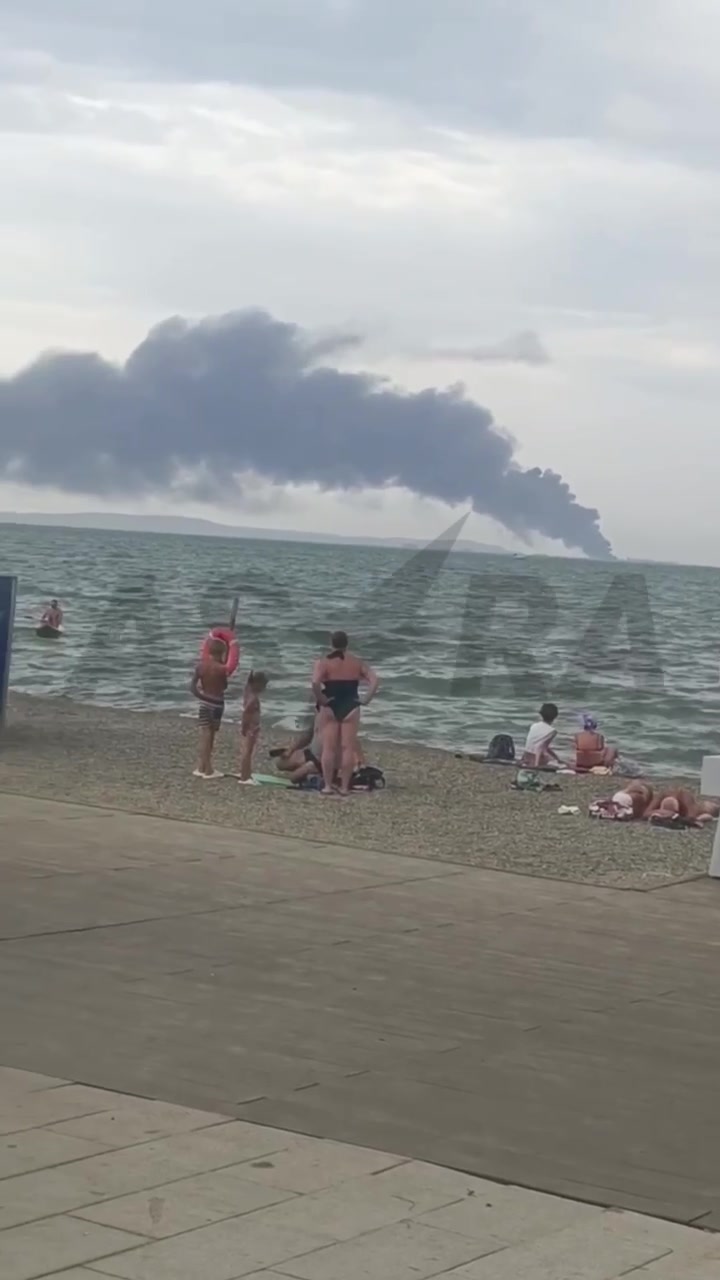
(229, 639)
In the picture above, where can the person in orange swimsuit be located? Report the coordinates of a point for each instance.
(591, 750)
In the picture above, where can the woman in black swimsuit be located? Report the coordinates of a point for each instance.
(336, 686)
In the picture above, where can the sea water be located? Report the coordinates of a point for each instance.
(466, 645)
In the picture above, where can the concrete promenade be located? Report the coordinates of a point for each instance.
(555, 1036)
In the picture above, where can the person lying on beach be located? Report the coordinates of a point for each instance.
(591, 751)
(680, 803)
(53, 616)
(673, 806)
(256, 684)
(336, 687)
(539, 753)
(208, 685)
(628, 805)
(303, 757)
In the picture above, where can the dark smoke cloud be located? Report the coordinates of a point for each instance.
(244, 392)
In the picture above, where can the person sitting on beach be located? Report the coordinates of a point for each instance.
(303, 758)
(336, 687)
(256, 684)
(539, 753)
(208, 685)
(53, 616)
(591, 751)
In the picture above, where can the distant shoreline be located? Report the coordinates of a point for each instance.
(185, 526)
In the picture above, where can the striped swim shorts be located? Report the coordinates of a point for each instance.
(210, 714)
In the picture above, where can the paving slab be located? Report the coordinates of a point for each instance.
(406, 1251)
(176, 1207)
(225, 1251)
(376, 1214)
(310, 1164)
(140, 1122)
(134, 1168)
(44, 1247)
(543, 1033)
(610, 1247)
(41, 1149)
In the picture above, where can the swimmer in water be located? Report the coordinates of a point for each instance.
(257, 683)
(208, 685)
(53, 616)
(336, 686)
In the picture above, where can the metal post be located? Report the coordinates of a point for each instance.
(710, 786)
(8, 591)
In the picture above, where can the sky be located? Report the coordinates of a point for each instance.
(520, 196)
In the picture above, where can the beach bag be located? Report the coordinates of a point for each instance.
(502, 748)
(530, 780)
(368, 778)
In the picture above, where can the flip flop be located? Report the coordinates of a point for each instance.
(207, 777)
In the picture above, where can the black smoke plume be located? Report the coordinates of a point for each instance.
(245, 393)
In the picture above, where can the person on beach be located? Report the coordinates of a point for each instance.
(303, 758)
(680, 803)
(256, 684)
(336, 686)
(208, 685)
(591, 751)
(672, 806)
(539, 752)
(53, 616)
(628, 805)
(231, 645)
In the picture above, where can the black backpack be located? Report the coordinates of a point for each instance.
(368, 778)
(501, 749)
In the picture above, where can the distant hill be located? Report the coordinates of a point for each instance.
(179, 525)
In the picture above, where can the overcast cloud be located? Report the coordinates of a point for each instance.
(521, 195)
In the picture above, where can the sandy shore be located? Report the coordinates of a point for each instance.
(436, 806)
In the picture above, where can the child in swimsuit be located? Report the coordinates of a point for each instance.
(208, 685)
(257, 683)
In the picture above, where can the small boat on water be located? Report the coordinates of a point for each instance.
(46, 632)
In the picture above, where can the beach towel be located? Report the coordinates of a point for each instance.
(674, 822)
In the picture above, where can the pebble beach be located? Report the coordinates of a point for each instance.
(435, 805)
